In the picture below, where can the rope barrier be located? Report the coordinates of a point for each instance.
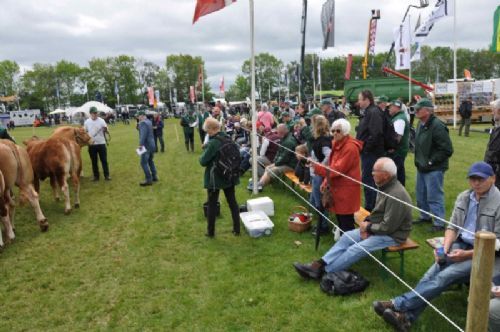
(366, 251)
(377, 190)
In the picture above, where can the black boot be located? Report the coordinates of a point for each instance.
(187, 146)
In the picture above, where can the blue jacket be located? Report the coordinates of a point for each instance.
(146, 137)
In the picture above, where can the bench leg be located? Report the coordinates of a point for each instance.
(383, 273)
(402, 263)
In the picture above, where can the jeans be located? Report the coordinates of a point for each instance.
(435, 281)
(367, 162)
(430, 195)
(148, 166)
(315, 200)
(162, 143)
(344, 253)
(95, 151)
(494, 316)
(466, 123)
(400, 164)
(213, 198)
(245, 159)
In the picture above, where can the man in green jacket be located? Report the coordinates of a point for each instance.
(203, 114)
(188, 121)
(285, 159)
(433, 148)
(402, 129)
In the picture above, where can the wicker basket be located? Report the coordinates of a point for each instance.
(302, 226)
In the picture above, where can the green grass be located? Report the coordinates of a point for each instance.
(135, 258)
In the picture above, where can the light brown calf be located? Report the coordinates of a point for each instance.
(77, 134)
(57, 159)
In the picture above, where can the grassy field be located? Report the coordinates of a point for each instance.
(134, 258)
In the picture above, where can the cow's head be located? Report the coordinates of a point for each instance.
(31, 140)
(81, 137)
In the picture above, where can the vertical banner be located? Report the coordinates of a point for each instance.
(402, 46)
(495, 44)
(373, 34)
(151, 96)
(221, 87)
(327, 23)
(192, 95)
(157, 98)
(348, 67)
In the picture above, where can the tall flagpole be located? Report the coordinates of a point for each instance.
(314, 78)
(202, 86)
(409, 81)
(455, 64)
(254, 115)
(319, 78)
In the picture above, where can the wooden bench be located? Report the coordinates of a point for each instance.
(400, 249)
(296, 183)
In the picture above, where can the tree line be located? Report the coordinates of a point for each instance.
(47, 86)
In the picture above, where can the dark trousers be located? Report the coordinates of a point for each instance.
(189, 140)
(400, 164)
(464, 123)
(346, 221)
(202, 135)
(162, 143)
(367, 162)
(213, 198)
(99, 151)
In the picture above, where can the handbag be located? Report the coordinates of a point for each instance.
(326, 195)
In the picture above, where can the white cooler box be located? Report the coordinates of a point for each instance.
(257, 223)
(261, 204)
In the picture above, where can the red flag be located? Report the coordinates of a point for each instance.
(199, 83)
(221, 86)
(204, 7)
(192, 95)
(151, 96)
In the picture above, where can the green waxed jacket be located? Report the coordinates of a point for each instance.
(404, 144)
(207, 159)
(433, 146)
(285, 157)
(188, 119)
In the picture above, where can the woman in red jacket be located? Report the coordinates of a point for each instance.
(344, 160)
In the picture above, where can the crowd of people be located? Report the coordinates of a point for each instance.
(319, 142)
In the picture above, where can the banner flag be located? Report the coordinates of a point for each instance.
(205, 7)
(192, 96)
(373, 34)
(116, 88)
(495, 44)
(199, 83)
(151, 96)
(327, 23)
(348, 67)
(221, 86)
(402, 47)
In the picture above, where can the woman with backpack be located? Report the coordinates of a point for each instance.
(215, 180)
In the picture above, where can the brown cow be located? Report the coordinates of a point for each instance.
(79, 135)
(57, 159)
(9, 169)
(24, 178)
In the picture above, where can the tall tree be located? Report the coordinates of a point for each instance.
(239, 90)
(183, 70)
(9, 70)
(267, 73)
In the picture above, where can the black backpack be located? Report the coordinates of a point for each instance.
(343, 283)
(228, 161)
(390, 135)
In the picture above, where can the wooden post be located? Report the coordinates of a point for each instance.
(480, 286)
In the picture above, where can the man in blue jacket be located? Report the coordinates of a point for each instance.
(147, 142)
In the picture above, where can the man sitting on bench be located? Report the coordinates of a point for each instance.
(475, 209)
(388, 225)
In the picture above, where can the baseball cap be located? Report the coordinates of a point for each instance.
(326, 102)
(141, 112)
(481, 169)
(397, 103)
(93, 109)
(311, 113)
(382, 99)
(285, 114)
(424, 102)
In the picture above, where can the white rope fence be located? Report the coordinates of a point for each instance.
(356, 243)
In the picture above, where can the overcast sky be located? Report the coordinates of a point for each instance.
(50, 30)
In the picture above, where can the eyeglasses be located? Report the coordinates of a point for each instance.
(338, 131)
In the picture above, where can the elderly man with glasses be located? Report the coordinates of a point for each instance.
(389, 224)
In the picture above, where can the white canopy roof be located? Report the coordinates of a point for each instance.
(85, 108)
